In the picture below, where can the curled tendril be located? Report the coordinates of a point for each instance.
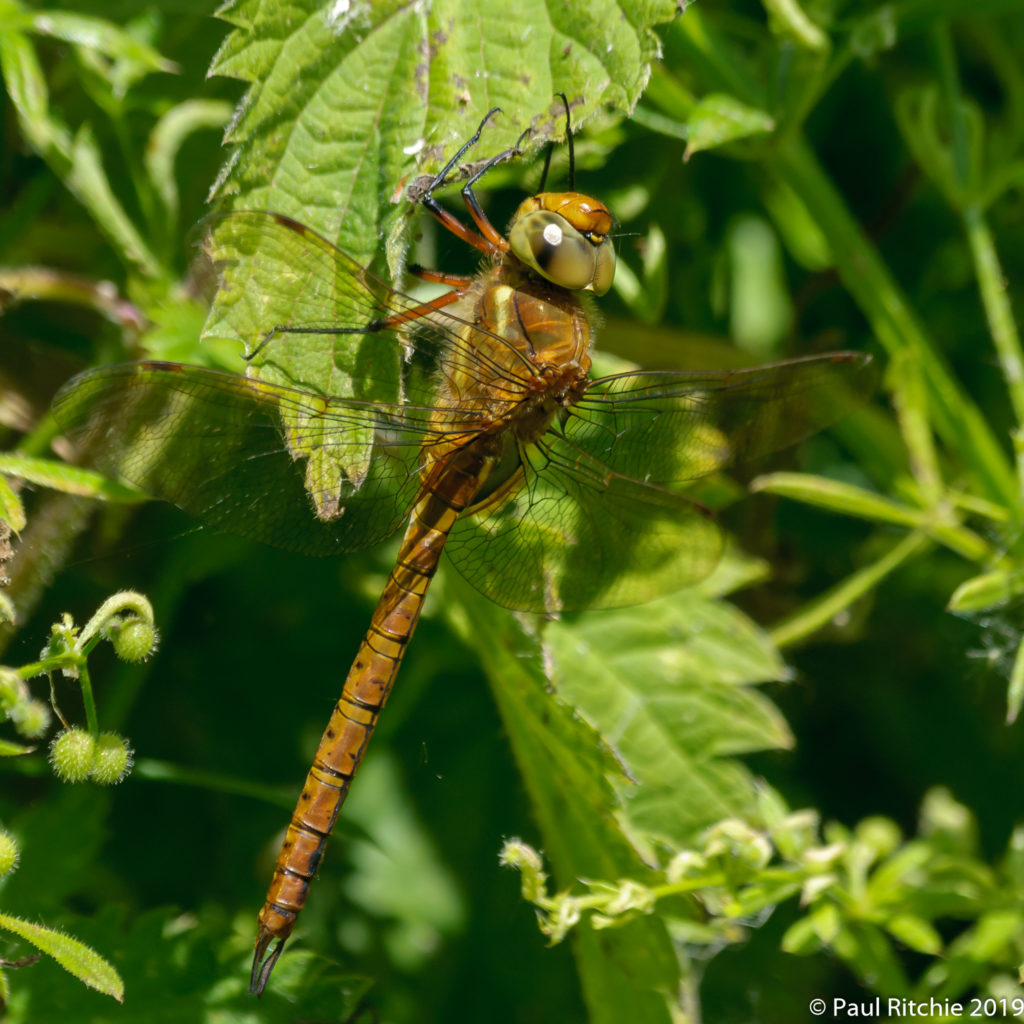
(111, 609)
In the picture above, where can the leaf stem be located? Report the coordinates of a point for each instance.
(819, 613)
(91, 718)
(998, 310)
(869, 280)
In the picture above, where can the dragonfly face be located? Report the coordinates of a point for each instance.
(563, 236)
(549, 489)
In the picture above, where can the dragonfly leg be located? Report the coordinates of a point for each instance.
(383, 323)
(418, 312)
(489, 239)
(486, 228)
(460, 282)
(447, 220)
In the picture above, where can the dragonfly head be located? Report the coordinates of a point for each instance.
(563, 236)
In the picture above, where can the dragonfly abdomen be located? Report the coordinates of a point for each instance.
(365, 692)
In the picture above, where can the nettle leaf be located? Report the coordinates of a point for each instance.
(569, 771)
(667, 686)
(346, 104)
(348, 101)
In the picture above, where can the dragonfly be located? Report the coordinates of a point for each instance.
(474, 426)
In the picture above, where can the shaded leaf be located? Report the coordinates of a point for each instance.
(70, 479)
(12, 511)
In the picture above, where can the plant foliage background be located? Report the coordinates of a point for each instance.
(789, 181)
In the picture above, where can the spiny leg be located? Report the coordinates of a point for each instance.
(489, 240)
(472, 204)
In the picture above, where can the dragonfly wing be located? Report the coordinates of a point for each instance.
(214, 444)
(314, 318)
(288, 291)
(594, 520)
(573, 534)
(669, 428)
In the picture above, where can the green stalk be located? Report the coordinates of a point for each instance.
(91, 718)
(818, 613)
(987, 269)
(693, 42)
(998, 312)
(957, 419)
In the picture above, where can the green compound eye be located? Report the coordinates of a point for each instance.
(548, 243)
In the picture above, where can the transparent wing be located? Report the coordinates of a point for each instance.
(569, 533)
(215, 445)
(303, 303)
(595, 522)
(315, 319)
(669, 428)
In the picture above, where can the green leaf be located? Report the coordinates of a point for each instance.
(868, 951)
(398, 875)
(788, 18)
(566, 769)
(968, 957)
(823, 609)
(719, 119)
(666, 686)
(1015, 689)
(167, 136)
(74, 956)
(915, 932)
(97, 34)
(28, 92)
(12, 511)
(825, 921)
(856, 501)
(88, 181)
(801, 938)
(70, 479)
(987, 590)
(837, 497)
(75, 159)
(336, 105)
(9, 749)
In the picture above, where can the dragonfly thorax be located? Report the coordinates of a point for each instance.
(556, 388)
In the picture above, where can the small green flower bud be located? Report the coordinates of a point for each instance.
(9, 852)
(517, 854)
(71, 755)
(31, 718)
(12, 688)
(880, 835)
(112, 760)
(134, 639)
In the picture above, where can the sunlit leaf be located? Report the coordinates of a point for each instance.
(74, 956)
(719, 119)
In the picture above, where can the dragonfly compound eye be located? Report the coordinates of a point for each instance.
(547, 242)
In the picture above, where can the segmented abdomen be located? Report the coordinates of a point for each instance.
(366, 689)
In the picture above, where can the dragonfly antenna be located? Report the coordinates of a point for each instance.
(568, 139)
(547, 164)
(551, 149)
